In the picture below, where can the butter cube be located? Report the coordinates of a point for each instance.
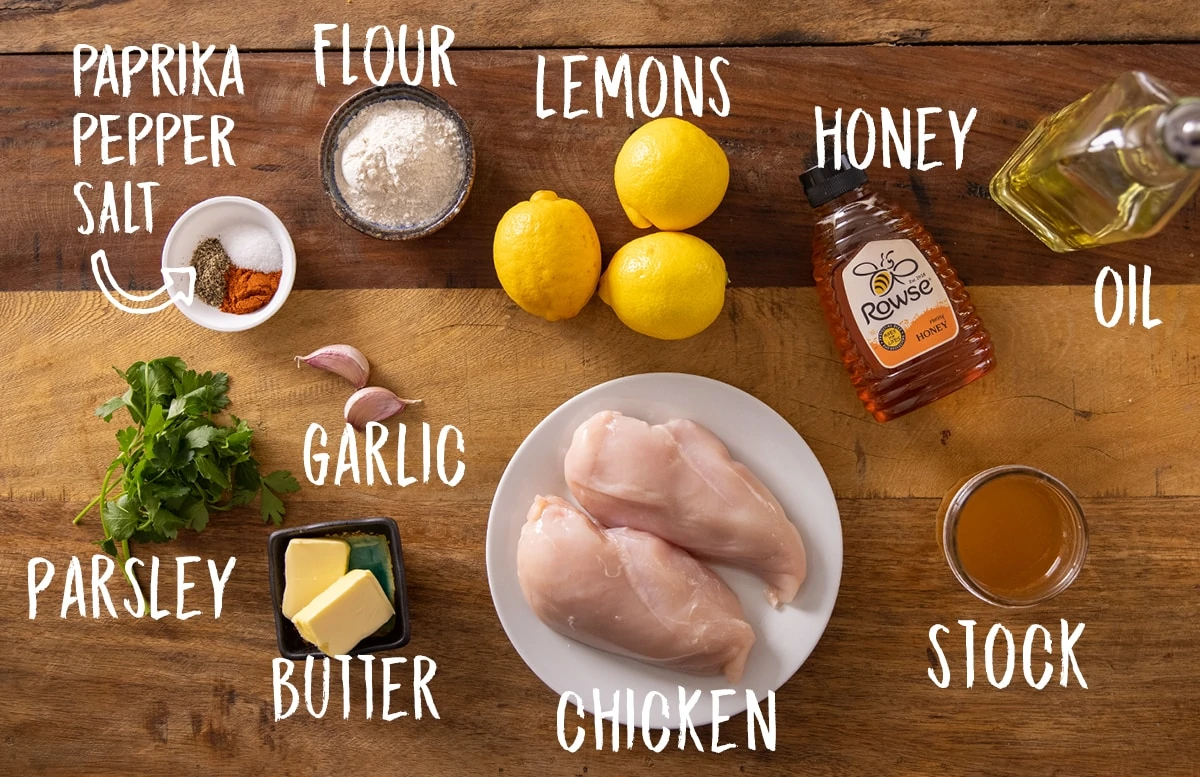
(309, 567)
(345, 613)
(371, 551)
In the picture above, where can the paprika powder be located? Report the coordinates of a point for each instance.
(246, 290)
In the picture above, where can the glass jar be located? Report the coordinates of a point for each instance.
(1000, 527)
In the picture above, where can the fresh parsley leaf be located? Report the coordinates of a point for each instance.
(246, 482)
(135, 402)
(281, 482)
(211, 386)
(126, 438)
(271, 507)
(238, 440)
(197, 515)
(167, 523)
(155, 422)
(119, 517)
(177, 463)
(199, 394)
(202, 436)
(158, 380)
(106, 410)
(209, 469)
(169, 491)
(172, 365)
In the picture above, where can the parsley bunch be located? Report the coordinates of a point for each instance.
(177, 464)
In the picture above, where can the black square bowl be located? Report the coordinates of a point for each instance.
(291, 644)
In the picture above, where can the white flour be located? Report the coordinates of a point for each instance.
(400, 163)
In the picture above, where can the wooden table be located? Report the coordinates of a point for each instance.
(1111, 411)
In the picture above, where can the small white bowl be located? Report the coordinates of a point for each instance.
(206, 219)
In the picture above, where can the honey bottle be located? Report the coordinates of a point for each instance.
(903, 321)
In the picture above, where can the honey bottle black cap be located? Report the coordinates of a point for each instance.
(822, 184)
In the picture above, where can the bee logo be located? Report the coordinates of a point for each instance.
(885, 275)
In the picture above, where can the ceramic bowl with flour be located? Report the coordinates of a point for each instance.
(397, 162)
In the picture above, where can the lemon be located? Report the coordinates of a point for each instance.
(670, 174)
(547, 256)
(668, 285)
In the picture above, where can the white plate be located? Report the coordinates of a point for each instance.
(758, 437)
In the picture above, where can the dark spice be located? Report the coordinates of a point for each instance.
(211, 263)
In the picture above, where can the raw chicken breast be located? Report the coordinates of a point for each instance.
(630, 593)
(676, 480)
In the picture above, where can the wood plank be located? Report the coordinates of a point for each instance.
(150, 698)
(41, 25)
(762, 229)
(1109, 411)
(1112, 412)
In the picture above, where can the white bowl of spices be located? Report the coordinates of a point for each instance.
(244, 259)
(397, 162)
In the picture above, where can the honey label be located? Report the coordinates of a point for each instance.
(899, 304)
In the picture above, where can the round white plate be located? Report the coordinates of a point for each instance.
(758, 437)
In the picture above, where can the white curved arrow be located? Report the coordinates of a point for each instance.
(180, 282)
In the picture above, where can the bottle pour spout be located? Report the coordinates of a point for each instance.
(1181, 132)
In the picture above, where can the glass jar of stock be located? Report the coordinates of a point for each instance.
(1014, 536)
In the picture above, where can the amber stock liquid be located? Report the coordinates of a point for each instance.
(1011, 534)
(860, 227)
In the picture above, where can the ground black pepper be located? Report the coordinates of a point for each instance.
(211, 263)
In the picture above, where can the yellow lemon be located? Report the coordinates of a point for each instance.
(670, 174)
(668, 285)
(547, 256)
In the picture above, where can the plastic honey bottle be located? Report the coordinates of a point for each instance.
(905, 325)
(1114, 165)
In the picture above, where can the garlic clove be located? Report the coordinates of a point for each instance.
(340, 359)
(374, 403)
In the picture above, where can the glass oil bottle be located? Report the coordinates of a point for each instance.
(1114, 165)
(905, 326)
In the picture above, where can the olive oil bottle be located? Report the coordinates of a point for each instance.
(1114, 165)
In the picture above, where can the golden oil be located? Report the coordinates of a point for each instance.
(1112, 166)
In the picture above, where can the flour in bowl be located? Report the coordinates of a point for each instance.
(400, 163)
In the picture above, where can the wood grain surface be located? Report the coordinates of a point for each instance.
(57, 25)
(1058, 399)
(1111, 412)
(125, 697)
(86, 696)
(762, 229)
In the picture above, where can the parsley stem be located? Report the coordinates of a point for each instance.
(85, 510)
(99, 498)
(122, 557)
